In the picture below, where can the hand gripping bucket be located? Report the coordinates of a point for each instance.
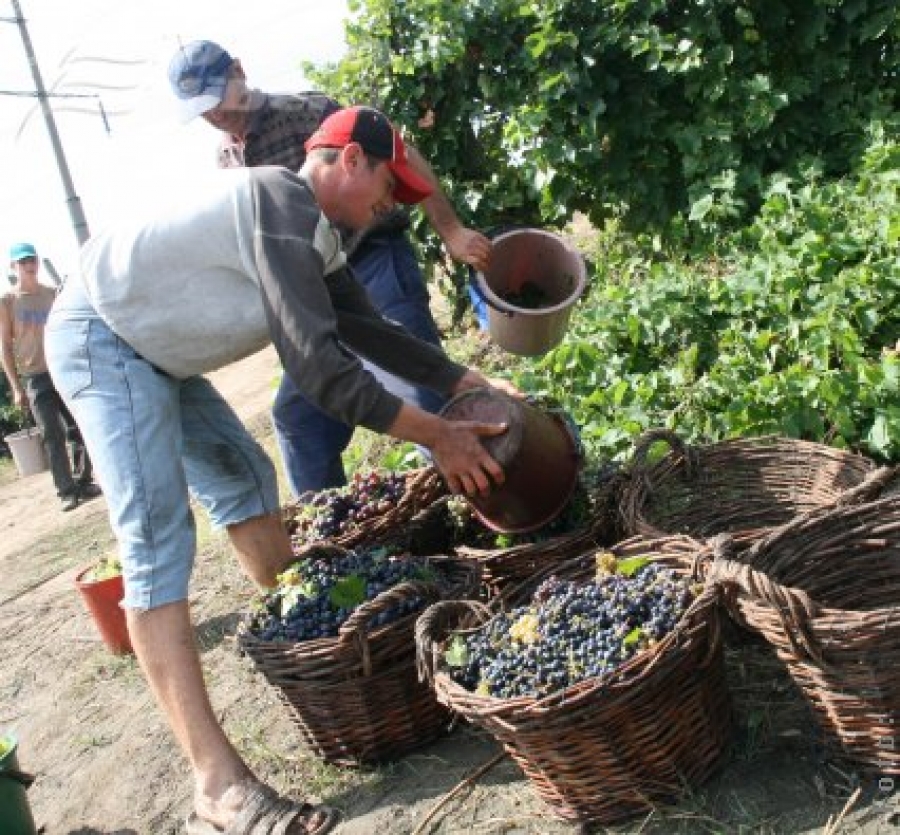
(529, 290)
(540, 455)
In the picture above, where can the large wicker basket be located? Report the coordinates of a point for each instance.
(824, 591)
(743, 487)
(423, 487)
(356, 698)
(610, 748)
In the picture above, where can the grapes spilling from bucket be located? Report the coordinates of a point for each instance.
(333, 512)
(571, 632)
(314, 597)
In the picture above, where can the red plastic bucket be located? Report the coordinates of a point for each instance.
(539, 454)
(102, 599)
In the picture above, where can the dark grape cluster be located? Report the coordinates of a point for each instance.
(315, 597)
(570, 632)
(330, 513)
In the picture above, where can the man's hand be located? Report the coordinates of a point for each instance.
(474, 379)
(463, 461)
(469, 247)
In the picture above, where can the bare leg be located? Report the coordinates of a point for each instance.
(263, 547)
(164, 644)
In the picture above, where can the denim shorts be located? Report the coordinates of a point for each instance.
(154, 441)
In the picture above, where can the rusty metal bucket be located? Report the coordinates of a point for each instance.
(539, 262)
(539, 453)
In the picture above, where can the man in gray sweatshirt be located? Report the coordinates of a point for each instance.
(209, 273)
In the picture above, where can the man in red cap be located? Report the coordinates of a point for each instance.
(270, 129)
(206, 272)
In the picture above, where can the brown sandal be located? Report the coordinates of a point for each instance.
(265, 813)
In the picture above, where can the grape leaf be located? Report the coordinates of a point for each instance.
(457, 655)
(633, 637)
(347, 592)
(630, 567)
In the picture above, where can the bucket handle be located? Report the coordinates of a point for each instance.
(17, 776)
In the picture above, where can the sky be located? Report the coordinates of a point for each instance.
(119, 50)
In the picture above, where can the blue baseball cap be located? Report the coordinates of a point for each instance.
(19, 251)
(198, 74)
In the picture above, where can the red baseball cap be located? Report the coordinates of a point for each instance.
(379, 139)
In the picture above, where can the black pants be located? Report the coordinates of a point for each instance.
(70, 465)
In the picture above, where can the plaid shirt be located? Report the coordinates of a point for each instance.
(278, 129)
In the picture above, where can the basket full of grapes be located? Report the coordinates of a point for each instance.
(603, 678)
(373, 508)
(335, 639)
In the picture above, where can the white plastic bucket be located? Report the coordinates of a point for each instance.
(27, 448)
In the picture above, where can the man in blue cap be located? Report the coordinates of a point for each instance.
(261, 129)
(23, 314)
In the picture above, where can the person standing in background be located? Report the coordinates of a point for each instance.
(23, 315)
(262, 129)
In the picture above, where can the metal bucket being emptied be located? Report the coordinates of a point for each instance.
(539, 453)
(537, 263)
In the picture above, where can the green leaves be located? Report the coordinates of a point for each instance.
(348, 592)
(457, 654)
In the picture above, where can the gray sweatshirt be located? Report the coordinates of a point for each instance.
(225, 262)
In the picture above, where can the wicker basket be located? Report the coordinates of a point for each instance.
(824, 591)
(423, 487)
(745, 486)
(611, 748)
(357, 698)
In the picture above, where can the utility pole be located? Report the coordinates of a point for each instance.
(73, 202)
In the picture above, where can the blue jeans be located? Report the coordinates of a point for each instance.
(310, 441)
(154, 440)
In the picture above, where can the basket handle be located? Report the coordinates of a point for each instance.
(871, 487)
(793, 606)
(354, 629)
(650, 437)
(434, 626)
(426, 482)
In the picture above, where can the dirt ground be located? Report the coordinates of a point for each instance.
(106, 764)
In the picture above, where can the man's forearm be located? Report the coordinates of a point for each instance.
(437, 207)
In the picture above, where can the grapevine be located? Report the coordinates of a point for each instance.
(314, 597)
(570, 631)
